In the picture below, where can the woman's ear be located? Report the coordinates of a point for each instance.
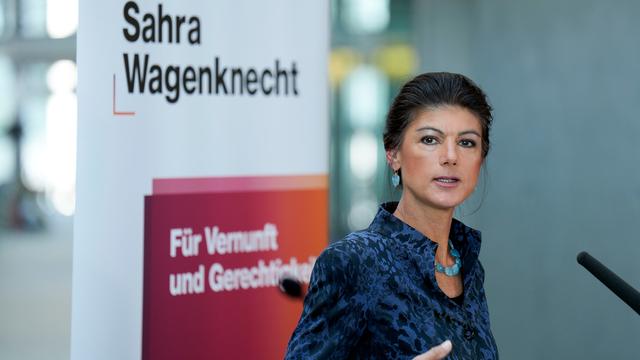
(393, 159)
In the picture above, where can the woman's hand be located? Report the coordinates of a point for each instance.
(436, 353)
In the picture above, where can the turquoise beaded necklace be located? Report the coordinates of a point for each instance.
(454, 269)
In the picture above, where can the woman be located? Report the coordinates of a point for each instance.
(412, 279)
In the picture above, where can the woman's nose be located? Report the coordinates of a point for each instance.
(449, 154)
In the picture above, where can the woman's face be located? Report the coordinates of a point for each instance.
(440, 156)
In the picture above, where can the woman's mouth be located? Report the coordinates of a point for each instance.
(447, 181)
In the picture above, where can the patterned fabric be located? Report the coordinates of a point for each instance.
(373, 295)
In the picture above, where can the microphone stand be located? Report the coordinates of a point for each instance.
(618, 286)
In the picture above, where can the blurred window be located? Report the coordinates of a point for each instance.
(39, 103)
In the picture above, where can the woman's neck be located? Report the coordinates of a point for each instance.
(433, 223)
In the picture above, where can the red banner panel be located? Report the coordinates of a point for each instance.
(212, 265)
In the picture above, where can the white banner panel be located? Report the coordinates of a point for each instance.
(183, 90)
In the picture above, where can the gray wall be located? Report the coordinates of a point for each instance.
(564, 171)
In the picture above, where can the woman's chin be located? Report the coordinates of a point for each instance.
(445, 203)
(441, 199)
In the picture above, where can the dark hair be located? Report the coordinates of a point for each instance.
(431, 90)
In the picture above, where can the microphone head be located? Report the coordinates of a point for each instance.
(582, 257)
(291, 286)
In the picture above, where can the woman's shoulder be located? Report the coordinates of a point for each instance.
(359, 243)
(355, 252)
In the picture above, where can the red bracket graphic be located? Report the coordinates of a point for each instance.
(115, 112)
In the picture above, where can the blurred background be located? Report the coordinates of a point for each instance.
(563, 174)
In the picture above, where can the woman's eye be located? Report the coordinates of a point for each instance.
(467, 143)
(429, 140)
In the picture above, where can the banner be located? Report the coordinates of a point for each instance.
(202, 175)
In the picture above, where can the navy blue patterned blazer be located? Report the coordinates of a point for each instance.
(373, 295)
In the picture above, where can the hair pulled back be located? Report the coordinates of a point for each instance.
(429, 91)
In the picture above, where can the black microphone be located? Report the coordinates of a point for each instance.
(291, 287)
(619, 287)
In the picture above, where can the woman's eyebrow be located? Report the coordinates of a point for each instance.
(430, 128)
(442, 132)
(469, 132)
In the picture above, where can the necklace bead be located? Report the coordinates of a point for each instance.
(454, 269)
